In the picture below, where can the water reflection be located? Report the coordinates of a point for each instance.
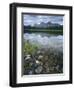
(46, 40)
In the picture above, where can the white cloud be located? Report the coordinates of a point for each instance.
(36, 19)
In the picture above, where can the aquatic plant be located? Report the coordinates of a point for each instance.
(30, 48)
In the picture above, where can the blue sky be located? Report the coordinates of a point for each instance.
(37, 19)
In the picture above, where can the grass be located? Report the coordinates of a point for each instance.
(29, 48)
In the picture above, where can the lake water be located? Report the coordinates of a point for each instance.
(45, 40)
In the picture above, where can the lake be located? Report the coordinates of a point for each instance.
(45, 40)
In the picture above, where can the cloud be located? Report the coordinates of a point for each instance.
(36, 19)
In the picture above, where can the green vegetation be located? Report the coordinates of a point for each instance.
(50, 31)
(47, 31)
(30, 48)
(51, 28)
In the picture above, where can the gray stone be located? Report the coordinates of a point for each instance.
(38, 69)
(57, 67)
(40, 57)
(30, 72)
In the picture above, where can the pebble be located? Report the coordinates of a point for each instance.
(38, 69)
(57, 67)
(27, 58)
(37, 62)
(30, 72)
(40, 57)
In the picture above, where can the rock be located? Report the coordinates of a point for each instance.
(30, 72)
(27, 57)
(47, 70)
(51, 68)
(46, 58)
(40, 57)
(38, 69)
(57, 67)
(37, 62)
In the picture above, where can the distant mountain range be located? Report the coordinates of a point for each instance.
(45, 25)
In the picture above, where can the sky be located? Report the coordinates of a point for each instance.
(30, 19)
